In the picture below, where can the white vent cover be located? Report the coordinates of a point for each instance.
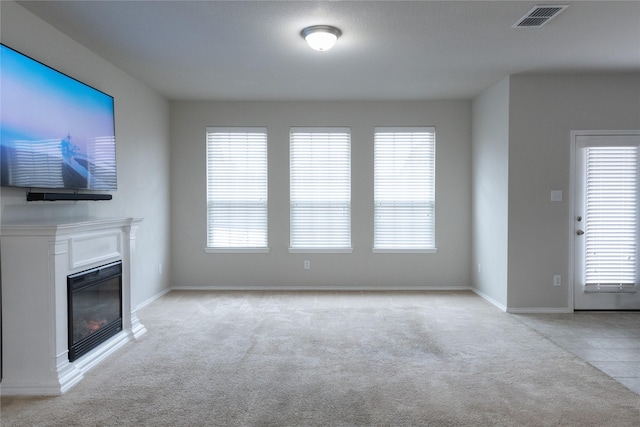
(539, 15)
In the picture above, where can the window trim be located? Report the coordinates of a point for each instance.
(405, 129)
(237, 249)
(404, 251)
(321, 250)
(246, 250)
(322, 130)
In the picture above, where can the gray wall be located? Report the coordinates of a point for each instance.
(449, 267)
(490, 173)
(521, 151)
(142, 144)
(543, 110)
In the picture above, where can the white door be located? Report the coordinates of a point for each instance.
(605, 223)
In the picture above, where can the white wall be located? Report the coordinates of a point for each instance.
(490, 177)
(543, 110)
(192, 267)
(142, 144)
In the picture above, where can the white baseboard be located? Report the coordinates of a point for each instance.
(525, 310)
(152, 299)
(489, 299)
(321, 288)
(540, 310)
(421, 288)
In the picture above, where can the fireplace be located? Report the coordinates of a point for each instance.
(94, 306)
(39, 262)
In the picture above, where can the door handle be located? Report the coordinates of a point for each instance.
(579, 232)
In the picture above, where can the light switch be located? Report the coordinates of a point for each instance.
(556, 195)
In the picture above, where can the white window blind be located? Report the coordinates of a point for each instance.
(320, 180)
(236, 188)
(404, 189)
(611, 220)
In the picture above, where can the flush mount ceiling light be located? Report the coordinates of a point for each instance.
(321, 37)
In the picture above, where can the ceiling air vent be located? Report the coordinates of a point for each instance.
(539, 15)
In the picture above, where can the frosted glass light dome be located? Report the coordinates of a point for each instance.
(321, 37)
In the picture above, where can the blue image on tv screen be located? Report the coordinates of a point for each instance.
(55, 132)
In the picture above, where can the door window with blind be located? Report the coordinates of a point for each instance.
(320, 189)
(611, 217)
(236, 189)
(404, 189)
(606, 229)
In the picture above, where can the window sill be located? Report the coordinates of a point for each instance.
(404, 251)
(236, 250)
(320, 250)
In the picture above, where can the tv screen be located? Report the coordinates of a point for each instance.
(55, 132)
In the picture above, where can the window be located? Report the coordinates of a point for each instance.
(236, 189)
(611, 217)
(404, 189)
(320, 174)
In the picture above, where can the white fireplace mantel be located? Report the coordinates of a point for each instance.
(36, 260)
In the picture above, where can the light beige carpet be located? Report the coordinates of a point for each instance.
(334, 359)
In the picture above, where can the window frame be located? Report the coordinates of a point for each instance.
(340, 132)
(429, 181)
(265, 187)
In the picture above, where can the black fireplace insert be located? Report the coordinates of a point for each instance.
(94, 306)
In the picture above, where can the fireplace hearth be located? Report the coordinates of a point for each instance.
(94, 307)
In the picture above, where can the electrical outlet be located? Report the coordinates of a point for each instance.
(160, 269)
(307, 264)
(557, 280)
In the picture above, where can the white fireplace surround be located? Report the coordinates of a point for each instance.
(36, 260)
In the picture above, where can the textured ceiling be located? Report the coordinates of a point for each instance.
(389, 50)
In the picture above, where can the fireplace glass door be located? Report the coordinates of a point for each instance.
(95, 307)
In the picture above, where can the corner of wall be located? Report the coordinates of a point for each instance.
(490, 184)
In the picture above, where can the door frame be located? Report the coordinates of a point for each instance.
(572, 208)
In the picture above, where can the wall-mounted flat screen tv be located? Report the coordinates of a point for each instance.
(55, 132)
